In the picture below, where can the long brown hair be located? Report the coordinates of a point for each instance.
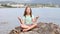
(25, 13)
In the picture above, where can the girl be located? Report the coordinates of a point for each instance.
(28, 22)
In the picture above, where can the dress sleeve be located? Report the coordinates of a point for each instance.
(32, 16)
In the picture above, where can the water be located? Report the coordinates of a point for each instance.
(9, 20)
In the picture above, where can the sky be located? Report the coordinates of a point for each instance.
(35, 1)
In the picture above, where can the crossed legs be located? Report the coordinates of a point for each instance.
(26, 28)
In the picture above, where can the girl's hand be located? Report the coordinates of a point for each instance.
(37, 17)
(19, 18)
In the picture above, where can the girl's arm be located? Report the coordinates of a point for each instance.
(35, 19)
(21, 21)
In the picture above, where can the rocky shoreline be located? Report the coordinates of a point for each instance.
(43, 28)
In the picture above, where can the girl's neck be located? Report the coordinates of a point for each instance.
(28, 14)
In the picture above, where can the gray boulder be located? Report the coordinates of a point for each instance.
(43, 28)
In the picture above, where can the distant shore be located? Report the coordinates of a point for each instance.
(22, 5)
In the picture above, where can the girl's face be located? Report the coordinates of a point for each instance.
(28, 10)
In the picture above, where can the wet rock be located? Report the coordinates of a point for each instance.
(42, 28)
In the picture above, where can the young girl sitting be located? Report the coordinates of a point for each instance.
(28, 21)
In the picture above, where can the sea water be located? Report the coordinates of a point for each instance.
(9, 20)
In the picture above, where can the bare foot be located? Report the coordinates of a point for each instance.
(24, 26)
(24, 30)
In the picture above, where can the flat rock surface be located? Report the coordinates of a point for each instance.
(43, 28)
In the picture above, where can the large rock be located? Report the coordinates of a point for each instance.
(43, 28)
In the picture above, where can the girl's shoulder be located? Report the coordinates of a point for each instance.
(32, 15)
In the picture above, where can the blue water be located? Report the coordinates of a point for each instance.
(9, 20)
